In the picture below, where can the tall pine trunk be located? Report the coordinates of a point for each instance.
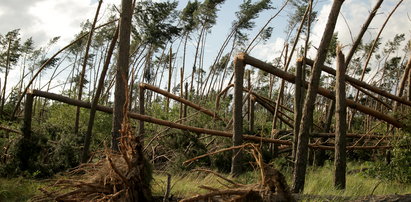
(307, 117)
(96, 98)
(83, 70)
(340, 126)
(120, 91)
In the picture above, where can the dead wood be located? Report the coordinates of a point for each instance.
(9, 130)
(324, 92)
(363, 84)
(272, 185)
(180, 126)
(180, 99)
(45, 64)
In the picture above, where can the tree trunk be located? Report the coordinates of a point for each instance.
(371, 51)
(186, 97)
(307, 117)
(120, 91)
(297, 105)
(404, 78)
(340, 126)
(195, 59)
(170, 71)
(43, 66)
(362, 32)
(6, 74)
(96, 98)
(409, 86)
(141, 106)
(320, 157)
(83, 70)
(322, 91)
(239, 65)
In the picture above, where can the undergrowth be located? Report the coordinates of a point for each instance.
(318, 182)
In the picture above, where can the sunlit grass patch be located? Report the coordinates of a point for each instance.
(319, 181)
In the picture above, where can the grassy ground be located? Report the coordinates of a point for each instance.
(19, 189)
(319, 181)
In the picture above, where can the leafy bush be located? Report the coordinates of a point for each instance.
(399, 169)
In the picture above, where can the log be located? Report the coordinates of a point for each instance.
(149, 119)
(153, 120)
(322, 91)
(9, 130)
(28, 113)
(349, 135)
(363, 84)
(271, 109)
(180, 99)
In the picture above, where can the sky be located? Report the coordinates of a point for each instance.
(45, 19)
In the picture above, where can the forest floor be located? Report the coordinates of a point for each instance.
(319, 185)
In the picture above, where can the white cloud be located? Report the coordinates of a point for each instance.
(269, 51)
(356, 12)
(45, 19)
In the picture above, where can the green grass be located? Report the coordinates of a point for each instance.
(319, 181)
(185, 185)
(19, 189)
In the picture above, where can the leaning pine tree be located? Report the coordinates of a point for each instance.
(124, 174)
(300, 165)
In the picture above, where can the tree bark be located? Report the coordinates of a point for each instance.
(404, 78)
(6, 74)
(250, 126)
(341, 125)
(307, 116)
(181, 91)
(320, 157)
(239, 66)
(409, 85)
(179, 99)
(141, 110)
(363, 84)
(46, 63)
(322, 91)
(120, 93)
(83, 70)
(297, 105)
(96, 98)
(362, 32)
(170, 71)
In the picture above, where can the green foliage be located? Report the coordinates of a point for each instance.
(187, 16)
(248, 12)
(52, 147)
(9, 48)
(26, 158)
(331, 51)
(206, 14)
(399, 169)
(295, 17)
(155, 22)
(185, 146)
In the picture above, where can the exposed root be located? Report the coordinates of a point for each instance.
(272, 186)
(123, 176)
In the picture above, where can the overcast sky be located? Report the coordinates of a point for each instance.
(45, 19)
